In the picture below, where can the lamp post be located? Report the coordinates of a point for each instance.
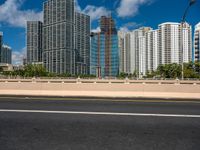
(183, 21)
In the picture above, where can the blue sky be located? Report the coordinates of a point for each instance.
(129, 14)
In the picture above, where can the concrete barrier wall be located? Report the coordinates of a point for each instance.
(102, 85)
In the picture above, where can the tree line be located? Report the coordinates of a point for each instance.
(39, 71)
(170, 71)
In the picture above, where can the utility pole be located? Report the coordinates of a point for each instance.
(183, 21)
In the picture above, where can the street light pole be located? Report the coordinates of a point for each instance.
(183, 21)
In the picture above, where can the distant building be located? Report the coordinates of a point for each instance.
(6, 67)
(143, 50)
(18, 67)
(1, 43)
(122, 51)
(104, 50)
(135, 54)
(6, 54)
(197, 42)
(175, 38)
(59, 36)
(82, 43)
(156, 57)
(34, 42)
(24, 61)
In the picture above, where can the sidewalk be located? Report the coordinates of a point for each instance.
(101, 94)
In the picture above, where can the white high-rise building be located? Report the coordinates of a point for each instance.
(170, 42)
(132, 48)
(1, 44)
(145, 49)
(186, 42)
(156, 52)
(142, 55)
(152, 50)
(197, 42)
(176, 42)
(122, 51)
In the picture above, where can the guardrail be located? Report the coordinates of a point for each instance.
(100, 81)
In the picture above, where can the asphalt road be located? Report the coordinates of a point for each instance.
(48, 124)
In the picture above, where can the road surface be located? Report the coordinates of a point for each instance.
(77, 124)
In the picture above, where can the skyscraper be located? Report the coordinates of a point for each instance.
(59, 36)
(6, 54)
(155, 49)
(145, 49)
(122, 51)
(176, 42)
(82, 43)
(197, 42)
(186, 42)
(135, 50)
(1, 43)
(104, 50)
(34, 42)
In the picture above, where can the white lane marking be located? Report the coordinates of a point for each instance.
(102, 113)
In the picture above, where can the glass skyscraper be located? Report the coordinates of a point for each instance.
(104, 50)
(6, 54)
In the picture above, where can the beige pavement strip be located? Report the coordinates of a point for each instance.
(100, 99)
(102, 113)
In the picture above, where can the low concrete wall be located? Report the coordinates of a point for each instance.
(171, 86)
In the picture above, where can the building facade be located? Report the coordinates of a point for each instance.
(197, 43)
(1, 43)
(135, 50)
(104, 50)
(155, 49)
(34, 42)
(6, 54)
(176, 43)
(122, 51)
(145, 49)
(59, 36)
(82, 43)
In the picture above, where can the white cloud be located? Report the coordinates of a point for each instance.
(18, 56)
(77, 6)
(124, 29)
(129, 8)
(11, 13)
(130, 26)
(96, 30)
(95, 12)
